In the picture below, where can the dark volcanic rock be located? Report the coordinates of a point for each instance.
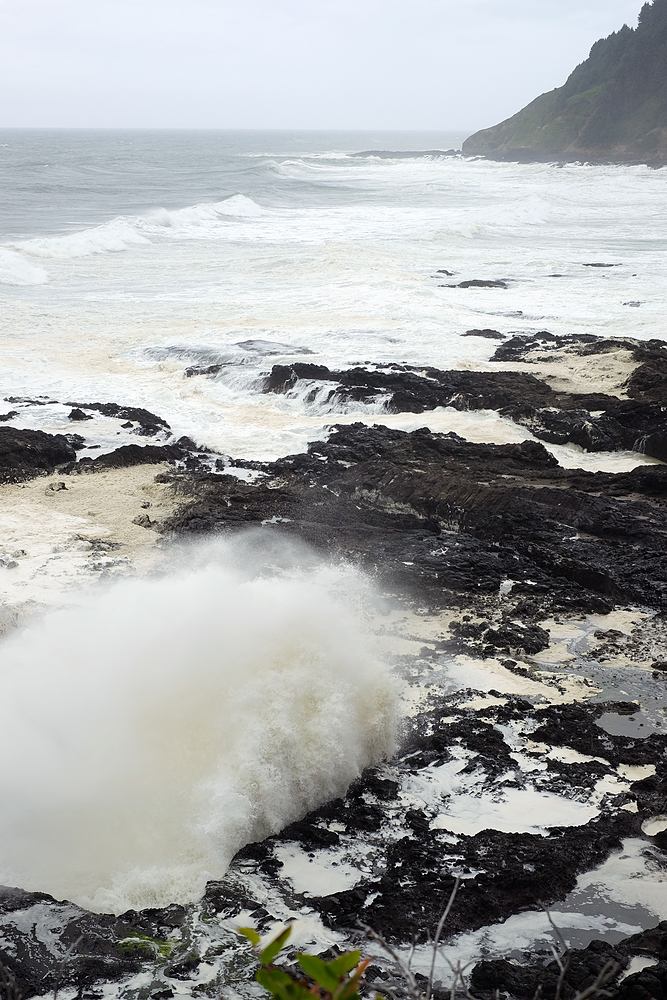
(25, 454)
(49, 946)
(414, 392)
(478, 283)
(148, 422)
(647, 382)
(513, 635)
(523, 981)
(435, 515)
(134, 454)
(583, 966)
(594, 421)
(77, 414)
(413, 874)
(405, 154)
(486, 333)
(193, 370)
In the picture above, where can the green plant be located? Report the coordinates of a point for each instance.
(335, 980)
(142, 941)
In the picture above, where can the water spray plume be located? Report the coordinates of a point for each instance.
(161, 725)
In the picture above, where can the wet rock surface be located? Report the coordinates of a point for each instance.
(415, 856)
(48, 945)
(25, 454)
(404, 873)
(595, 421)
(583, 967)
(438, 516)
(147, 423)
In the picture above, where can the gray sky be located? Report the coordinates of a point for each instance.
(423, 64)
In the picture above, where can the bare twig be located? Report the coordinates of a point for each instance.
(606, 974)
(402, 965)
(457, 971)
(61, 967)
(438, 934)
(9, 989)
(459, 985)
(563, 967)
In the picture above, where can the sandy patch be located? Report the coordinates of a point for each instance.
(54, 539)
(566, 371)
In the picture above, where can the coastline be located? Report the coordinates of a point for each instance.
(525, 608)
(590, 157)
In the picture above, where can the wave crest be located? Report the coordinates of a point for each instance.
(236, 207)
(16, 270)
(113, 236)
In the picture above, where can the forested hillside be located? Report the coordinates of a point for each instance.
(612, 106)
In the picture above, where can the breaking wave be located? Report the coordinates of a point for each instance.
(153, 731)
(116, 235)
(236, 207)
(16, 270)
(113, 236)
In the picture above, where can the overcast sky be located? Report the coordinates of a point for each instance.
(366, 64)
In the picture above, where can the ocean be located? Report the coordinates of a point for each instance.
(128, 257)
(127, 261)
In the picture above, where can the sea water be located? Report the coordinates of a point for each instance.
(128, 257)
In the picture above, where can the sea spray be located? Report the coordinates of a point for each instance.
(152, 731)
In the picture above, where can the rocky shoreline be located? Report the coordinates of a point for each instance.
(544, 590)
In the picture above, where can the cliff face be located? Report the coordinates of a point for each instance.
(612, 107)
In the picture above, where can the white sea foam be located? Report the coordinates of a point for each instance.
(523, 932)
(632, 877)
(114, 236)
(152, 732)
(338, 255)
(16, 270)
(236, 207)
(464, 806)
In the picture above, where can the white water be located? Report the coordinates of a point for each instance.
(289, 241)
(152, 732)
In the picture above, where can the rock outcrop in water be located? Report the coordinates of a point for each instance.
(612, 107)
(25, 454)
(436, 515)
(595, 421)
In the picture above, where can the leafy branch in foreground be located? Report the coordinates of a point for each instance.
(336, 980)
(341, 978)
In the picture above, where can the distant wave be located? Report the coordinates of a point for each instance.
(114, 236)
(407, 154)
(237, 207)
(16, 270)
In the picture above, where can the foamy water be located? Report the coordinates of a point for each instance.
(157, 728)
(270, 245)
